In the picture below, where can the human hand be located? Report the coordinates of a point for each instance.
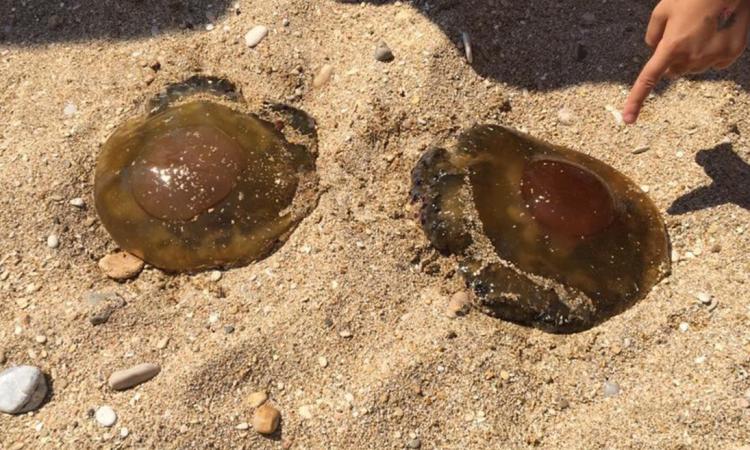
(689, 36)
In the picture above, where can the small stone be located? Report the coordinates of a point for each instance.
(743, 403)
(684, 326)
(642, 149)
(458, 304)
(53, 241)
(588, 19)
(257, 398)
(468, 51)
(611, 389)
(255, 35)
(40, 339)
(124, 432)
(121, 266)
(346, 334)
(704, 298)
(78, 202)
(22, 389)
(383, 53)
(102, 305)
(70, 109)
(266, 419)
(323, 76)
(243, 426)
(228, 329)
(215, 276)
(105, 416)
(285, 22)
(414, 443)
(128, 378)
(305, 412)
(323, 362)
(162, 344)
(565, 117)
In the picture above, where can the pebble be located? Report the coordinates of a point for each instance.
(684, 327)
(414, 443)
(611, 389)
(70, 109)
(703, 298)
(128, 378)
(215, 276)
(458, 304)
(346, 334)
(22, 389)
(305, 412)
(53, 241)
(102, 305)
(565, 117)
(323, 76)
(323, 361)
(642, 149)
(121, 266)
(255, 35)
(467, 47)
(105, 416)
(78, 202)
(162, 344)
(266, 419)
(383, 53)
(124, 432)
(588, 18)
(257, 398)
(243, 426)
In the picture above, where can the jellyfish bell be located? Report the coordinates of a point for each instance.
(545, 235)
(200, 182)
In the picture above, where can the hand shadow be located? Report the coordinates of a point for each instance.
(731, 182)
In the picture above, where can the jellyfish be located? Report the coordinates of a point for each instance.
(201, 183)
(544, 235)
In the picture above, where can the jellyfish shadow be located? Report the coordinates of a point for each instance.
(730, 176)
(544, 45)
(34, 22)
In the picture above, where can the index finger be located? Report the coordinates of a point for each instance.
(652, 72)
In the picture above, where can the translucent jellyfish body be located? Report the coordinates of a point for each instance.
(546, 236)
(197, 183)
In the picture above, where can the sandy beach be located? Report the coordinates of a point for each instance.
(345, 325)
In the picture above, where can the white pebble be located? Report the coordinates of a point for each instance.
(565, 117)
(611, 389)
(53, 241)
(77, 202)
(70, 109)
(105, 416)
(684, 327)
(704, 298)
(124, 432)
(215, 276)
(255, 35)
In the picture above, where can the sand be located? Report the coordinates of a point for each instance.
(358, 284)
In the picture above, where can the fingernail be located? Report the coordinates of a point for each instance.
(628, 117)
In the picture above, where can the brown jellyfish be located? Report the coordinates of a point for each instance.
(544, 235)
(200, 183)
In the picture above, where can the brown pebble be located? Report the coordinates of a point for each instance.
(257, 398)
(458, 305)
(266, 419)
(128, 378)
(121, 266)
(323, 76)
